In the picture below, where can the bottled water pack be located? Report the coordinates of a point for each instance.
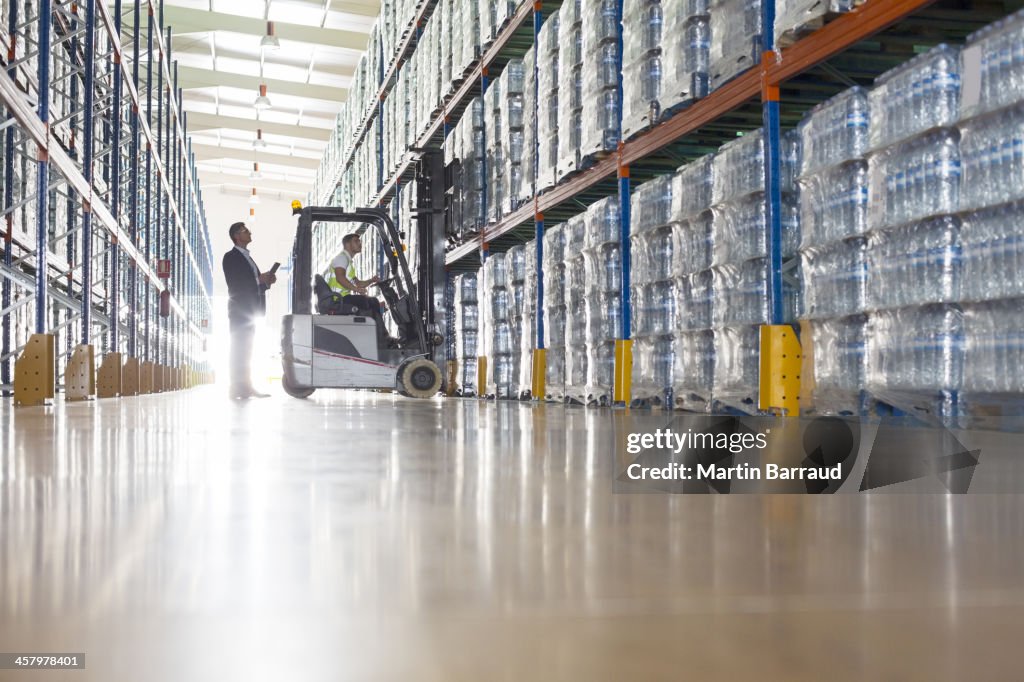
(839, 363)
(737, 367)
(834, 204)
(735, 39)
(992, 253)
(918, 95)
(740, 228)
(994, 347)
(915, 264)
(834, 131)
(916, 350)
(686, 47)
(694, 298)
(992, 154)
(834, 278)
(693, 188)
(692, 244)
(994, 64)
(915, 179)
(693, 373)
(641, 64)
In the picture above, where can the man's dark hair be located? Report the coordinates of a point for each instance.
(347, 239)
(234, 230)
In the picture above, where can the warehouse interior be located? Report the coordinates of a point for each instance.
(588, 223)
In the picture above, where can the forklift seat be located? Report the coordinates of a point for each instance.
(329, 302)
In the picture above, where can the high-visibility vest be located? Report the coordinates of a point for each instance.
(334, 284)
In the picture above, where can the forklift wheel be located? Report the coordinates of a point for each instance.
(419, 378)
(295, 391)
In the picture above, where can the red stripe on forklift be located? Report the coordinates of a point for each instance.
(354, 359)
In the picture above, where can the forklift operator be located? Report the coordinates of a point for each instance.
(352, 289)
(343, 276)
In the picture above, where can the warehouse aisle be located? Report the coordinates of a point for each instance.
(361, 537)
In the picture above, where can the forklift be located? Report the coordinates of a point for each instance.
(337, 345)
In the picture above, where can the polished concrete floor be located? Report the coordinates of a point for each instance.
(359, 536)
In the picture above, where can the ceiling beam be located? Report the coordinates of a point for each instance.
(200, 121)
(206, 152)
(190, 77)
(184, 21)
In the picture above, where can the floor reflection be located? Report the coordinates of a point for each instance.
(364, 536)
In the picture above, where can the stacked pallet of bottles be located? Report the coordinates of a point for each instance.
(833, 187)
(466, 333)
(547, 102)
(736, 27)
(652, 291)
(526, 323)
(692, 247)
(741, 271)
(685, 48)
(992, 233)
(466, 46)
(570, 88)
(468, 148)
(525, 188)
(497, 307)
(601, 30)
(575, 235)
(555, 296)
(915, 329)
(516, 264)
(642, 64)
(493, 15)
(603, 288)
(510, 136)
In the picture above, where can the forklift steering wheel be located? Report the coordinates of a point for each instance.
(389, 280)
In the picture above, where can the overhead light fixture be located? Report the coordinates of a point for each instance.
(255, 175)
(262, 102)
(270, 41)
(255, 198)
(252, 216)
(259, 142)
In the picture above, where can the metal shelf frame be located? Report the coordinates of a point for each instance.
(118, 157)
(761, 84)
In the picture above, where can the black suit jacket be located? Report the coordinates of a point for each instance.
(246, 297)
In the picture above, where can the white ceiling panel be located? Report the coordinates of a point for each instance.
(217, 45)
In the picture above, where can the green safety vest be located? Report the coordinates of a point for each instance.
(332, 279)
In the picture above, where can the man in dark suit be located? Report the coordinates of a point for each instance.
(247, 300)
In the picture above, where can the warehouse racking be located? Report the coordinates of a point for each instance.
(105, 231)
(848, 44)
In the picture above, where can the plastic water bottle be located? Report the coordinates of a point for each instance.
(692, 187)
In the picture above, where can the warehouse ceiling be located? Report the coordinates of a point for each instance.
(221, 66)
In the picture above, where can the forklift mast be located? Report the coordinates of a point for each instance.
(430, 239)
